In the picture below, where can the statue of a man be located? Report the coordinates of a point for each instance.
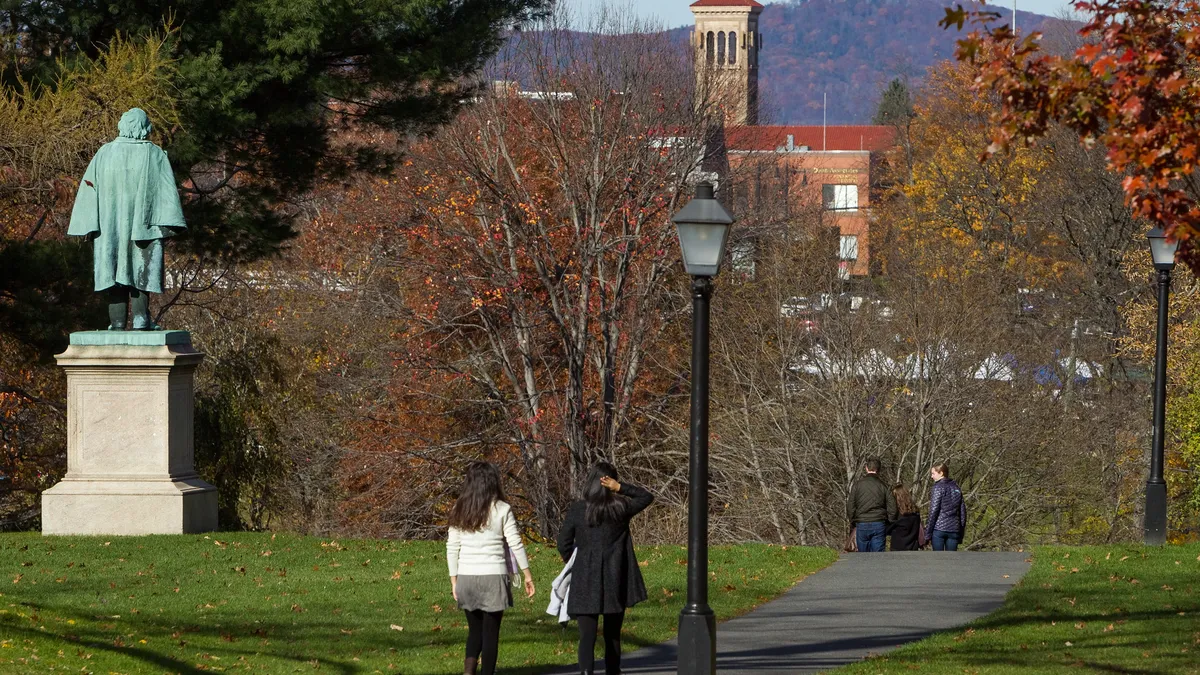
(128, 203)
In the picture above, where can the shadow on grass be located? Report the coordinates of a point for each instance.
(93, 641)
(1039, 640)
(254, 636)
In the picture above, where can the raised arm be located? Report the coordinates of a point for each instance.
(639, 498)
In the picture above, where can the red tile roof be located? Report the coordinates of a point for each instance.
(860, 137)
(725, 3)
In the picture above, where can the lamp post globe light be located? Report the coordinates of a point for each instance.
(1162, 250)
(703, 228)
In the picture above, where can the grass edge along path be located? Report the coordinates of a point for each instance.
(276, 603)
(1118, 608)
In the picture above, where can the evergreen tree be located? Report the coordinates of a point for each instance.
(895, 105)
(262, 84)
(247, 97)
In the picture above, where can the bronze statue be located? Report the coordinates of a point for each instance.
(127, 204)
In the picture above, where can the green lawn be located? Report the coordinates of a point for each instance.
(1104, 609)
(242, 602)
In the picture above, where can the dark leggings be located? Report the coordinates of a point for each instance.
(483, 638)
(588, 624)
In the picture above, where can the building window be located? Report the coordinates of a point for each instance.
(742, 257)
(848, 247)
(840, 197)
(732, 48)
(708, 47)
(721, 48)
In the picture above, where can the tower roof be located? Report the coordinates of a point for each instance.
(726, 3)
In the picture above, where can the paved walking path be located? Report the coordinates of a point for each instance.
(862, 604)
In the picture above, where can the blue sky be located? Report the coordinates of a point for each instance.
(675, 12)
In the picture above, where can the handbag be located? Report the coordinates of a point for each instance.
(511, 567)
(852, 541)
(922, 538)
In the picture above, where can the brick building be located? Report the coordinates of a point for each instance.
(828, 166)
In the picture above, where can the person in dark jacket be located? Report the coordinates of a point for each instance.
(906, 530)
(606, 578)
(870, 508)
(947, 511)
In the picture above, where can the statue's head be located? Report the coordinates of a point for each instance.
(135, 123)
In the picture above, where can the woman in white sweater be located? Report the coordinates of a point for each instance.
(482, 525)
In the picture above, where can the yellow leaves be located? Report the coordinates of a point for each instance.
(959, 208)
(81, 111)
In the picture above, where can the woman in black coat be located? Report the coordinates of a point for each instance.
(606, 578)
(906, 532)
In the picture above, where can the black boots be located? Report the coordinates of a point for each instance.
(470, 666)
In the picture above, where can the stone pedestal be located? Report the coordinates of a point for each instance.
(130, 463)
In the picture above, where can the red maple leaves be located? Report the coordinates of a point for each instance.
(1131, 87)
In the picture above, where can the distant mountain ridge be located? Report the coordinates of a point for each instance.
(849, 50)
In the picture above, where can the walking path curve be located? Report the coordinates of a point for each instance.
(863, 604)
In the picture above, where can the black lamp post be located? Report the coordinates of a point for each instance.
(1163, 252)
(703, 227)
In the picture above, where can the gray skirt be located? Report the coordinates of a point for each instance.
(487, 592)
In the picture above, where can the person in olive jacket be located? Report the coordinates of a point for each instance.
(606, 579)
(870, 508)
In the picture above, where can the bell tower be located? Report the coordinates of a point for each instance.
(727, 44)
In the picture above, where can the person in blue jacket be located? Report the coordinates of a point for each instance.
(947, 511)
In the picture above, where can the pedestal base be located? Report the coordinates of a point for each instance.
(130, 466)
(129, 507)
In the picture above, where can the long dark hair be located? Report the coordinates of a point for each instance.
(481, 489)
(603, 505)
(904, 501)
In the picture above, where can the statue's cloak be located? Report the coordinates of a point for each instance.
(128, 203)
